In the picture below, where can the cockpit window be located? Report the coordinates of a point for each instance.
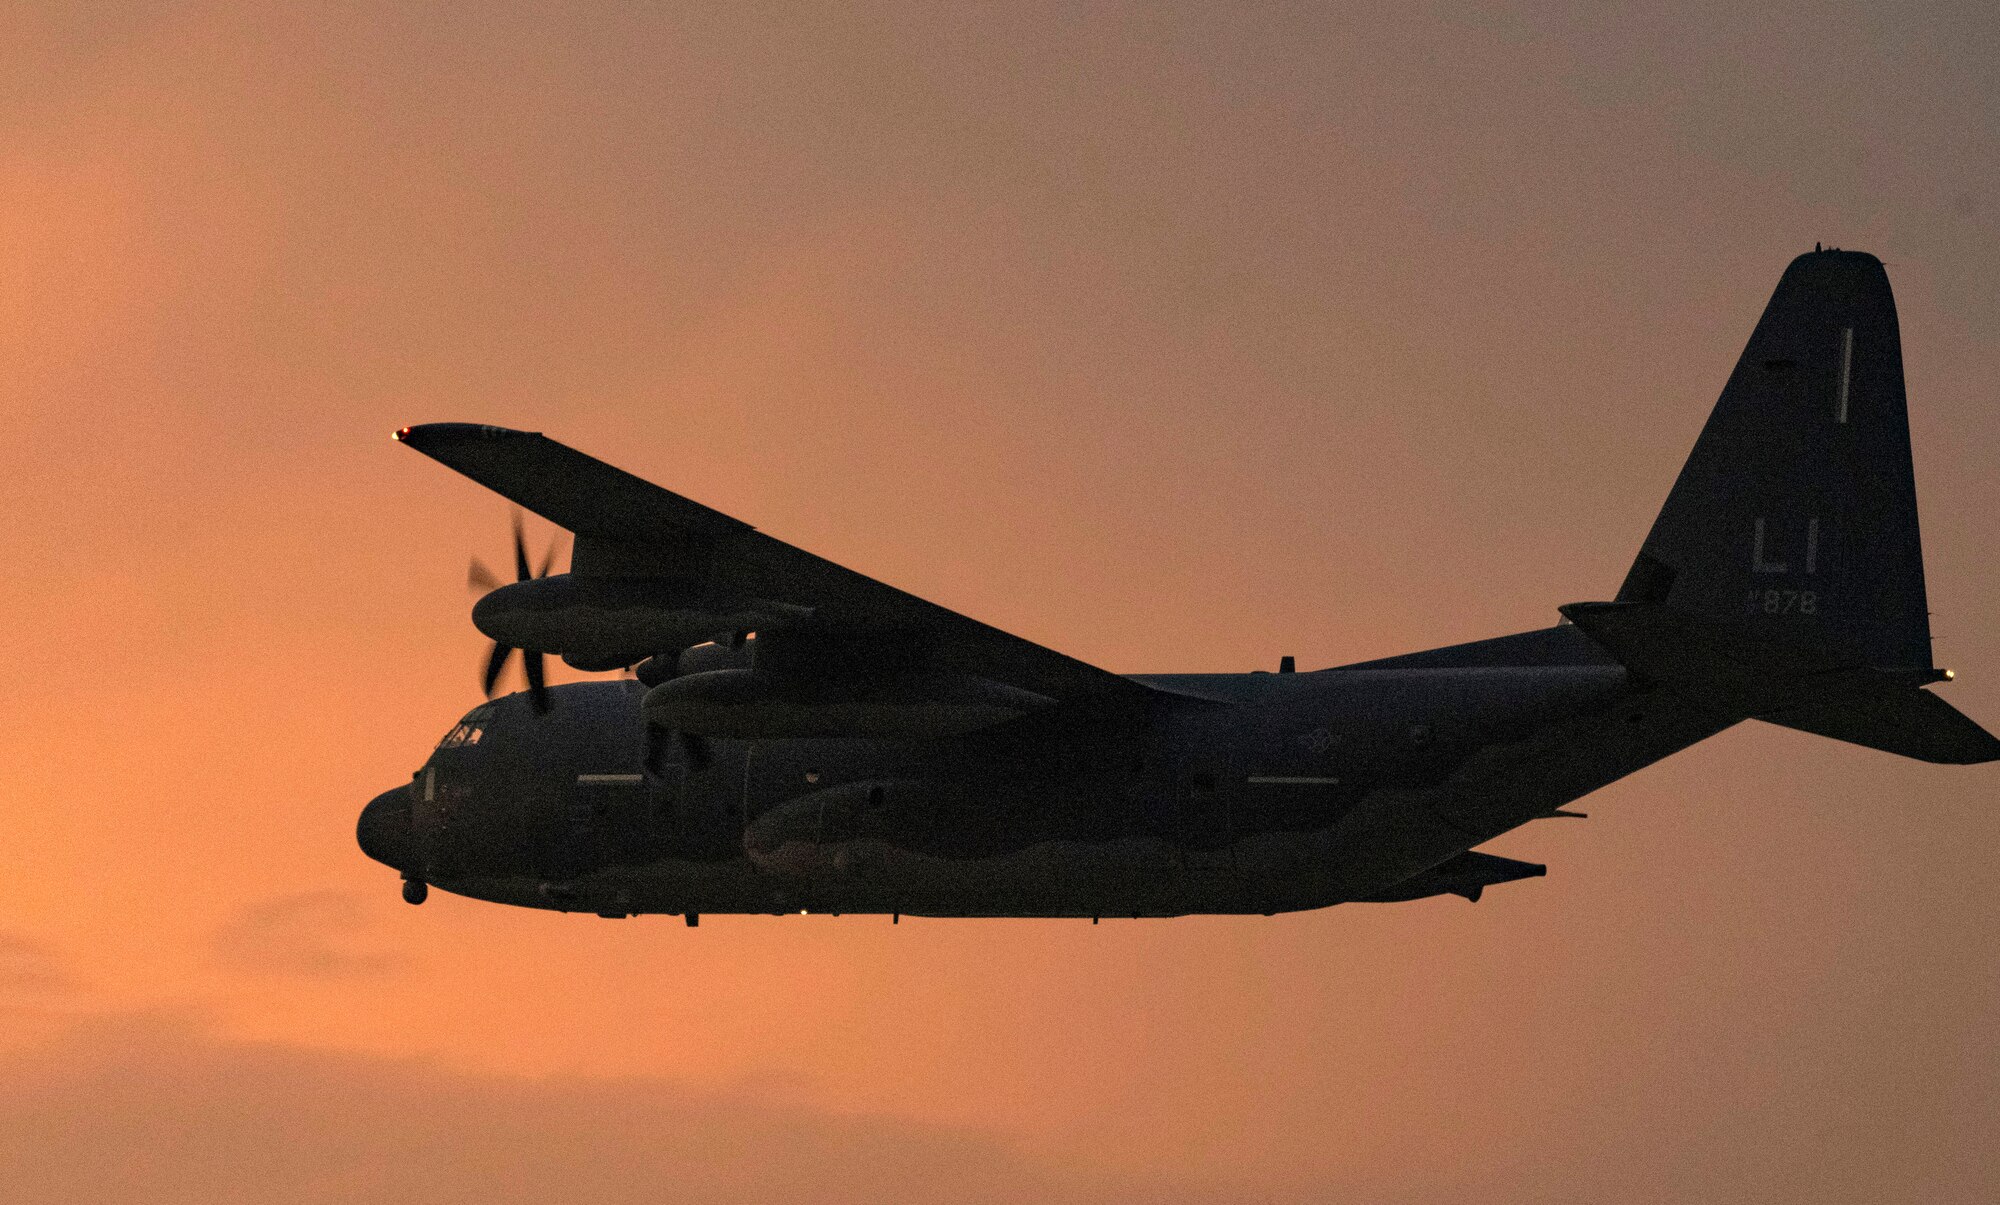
(469, 729)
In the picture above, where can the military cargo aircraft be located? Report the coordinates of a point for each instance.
(800, 737)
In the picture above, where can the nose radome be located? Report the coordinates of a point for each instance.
(384, 829)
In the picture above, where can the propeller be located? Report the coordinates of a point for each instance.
(478, 577)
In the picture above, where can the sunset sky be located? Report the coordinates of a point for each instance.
(1176, 336)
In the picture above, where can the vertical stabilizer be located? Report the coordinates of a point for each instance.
(1797, 510)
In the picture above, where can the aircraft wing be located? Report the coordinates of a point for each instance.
(641, 536)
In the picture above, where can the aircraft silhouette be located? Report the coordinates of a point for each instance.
(802, 737)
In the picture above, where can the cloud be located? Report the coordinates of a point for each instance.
(29, 968)
(313, 934)
(162, 1110)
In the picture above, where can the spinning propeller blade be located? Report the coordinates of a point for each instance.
(533, 662)
(480, 579)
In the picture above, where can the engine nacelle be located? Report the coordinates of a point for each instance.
(758, 704)
(616, 621)
(700, 659)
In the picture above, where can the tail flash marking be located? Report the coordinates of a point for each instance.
(1757, 562)
(1846, 370)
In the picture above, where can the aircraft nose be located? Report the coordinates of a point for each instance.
(384, 830)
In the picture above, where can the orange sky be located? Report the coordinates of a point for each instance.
(1176, 336)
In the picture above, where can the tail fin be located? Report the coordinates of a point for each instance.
(1797, 511)
(1784, 578)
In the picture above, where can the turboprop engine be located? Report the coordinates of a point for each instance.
(799, 683)
(760, 704)
(605, 623)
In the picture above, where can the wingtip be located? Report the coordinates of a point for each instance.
(426, 437)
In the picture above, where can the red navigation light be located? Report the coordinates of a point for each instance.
(401, 432)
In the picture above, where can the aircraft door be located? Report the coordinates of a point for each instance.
(607, 820)
(1205, 830)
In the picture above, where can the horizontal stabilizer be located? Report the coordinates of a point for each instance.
(1729, 666)
(1786, 682)
(1906, 721)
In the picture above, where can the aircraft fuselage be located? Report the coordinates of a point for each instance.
(1241, 793)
